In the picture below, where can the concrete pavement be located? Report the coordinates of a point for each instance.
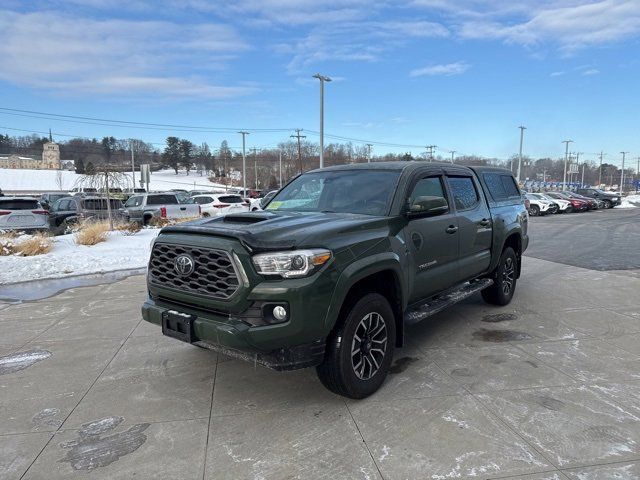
(546, 388)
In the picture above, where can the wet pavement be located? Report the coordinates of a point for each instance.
(545, 388)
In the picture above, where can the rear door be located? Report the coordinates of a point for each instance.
(432, 242)
(475, 229)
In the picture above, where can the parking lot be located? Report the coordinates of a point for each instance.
(546, 388)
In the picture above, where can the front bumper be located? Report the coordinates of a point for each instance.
(231, 336)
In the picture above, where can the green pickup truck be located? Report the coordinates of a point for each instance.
(339, 261)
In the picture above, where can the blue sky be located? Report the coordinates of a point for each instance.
(462, 75)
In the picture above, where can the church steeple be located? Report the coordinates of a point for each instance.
(50, 137)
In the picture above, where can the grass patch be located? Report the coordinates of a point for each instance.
(92, 233)
(164, 222)
(130, 228)
(38, 244)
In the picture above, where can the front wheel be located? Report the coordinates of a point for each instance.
(360, 349)
(534, 210)
(504, 279)
(608, 204)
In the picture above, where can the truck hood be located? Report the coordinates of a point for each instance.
(264, 231)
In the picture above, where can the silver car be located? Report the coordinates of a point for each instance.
(22, 213)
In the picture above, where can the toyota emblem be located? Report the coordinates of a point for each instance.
(184, 265)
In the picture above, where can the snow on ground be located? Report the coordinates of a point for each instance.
(66, 258)
(53, 180)
(630, 201)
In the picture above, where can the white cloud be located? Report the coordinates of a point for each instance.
(571, 24)
(557, 74)
(591, 71)
(448, 70)
(355, 41)
(70, 54)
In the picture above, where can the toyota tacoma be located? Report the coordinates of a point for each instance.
(339, 261)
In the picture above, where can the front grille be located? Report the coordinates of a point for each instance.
(213, 275)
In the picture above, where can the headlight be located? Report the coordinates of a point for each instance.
(293, 264)
(615, 199)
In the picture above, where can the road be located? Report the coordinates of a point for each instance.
(598, 240)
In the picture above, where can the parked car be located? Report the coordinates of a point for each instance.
(330, 278)
(609, 200)
(22, 213)
(84, 191)
(577, 204)
(540, 206)
(591, 202)
(564, 206)
(48, 199)
(68, 211)
(142, 208)
(260, 203)
(219, 205)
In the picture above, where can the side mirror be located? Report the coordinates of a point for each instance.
(428, 206)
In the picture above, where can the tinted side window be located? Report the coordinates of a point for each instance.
(501, 186)
(464, 192)
(161, 200)
(427, 187)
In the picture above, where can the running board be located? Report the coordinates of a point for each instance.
(419, 312)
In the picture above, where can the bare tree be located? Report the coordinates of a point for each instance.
(105, 178)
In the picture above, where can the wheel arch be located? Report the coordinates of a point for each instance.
(371, 275)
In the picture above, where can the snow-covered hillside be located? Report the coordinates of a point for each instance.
(51, 180)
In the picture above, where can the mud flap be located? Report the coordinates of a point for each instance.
(179, 326)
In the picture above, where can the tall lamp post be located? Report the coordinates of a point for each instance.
(322, 79)
(522, 129)
(624, 154)
(566, 156)
(244, 163)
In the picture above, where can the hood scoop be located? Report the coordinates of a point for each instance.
(248, 218)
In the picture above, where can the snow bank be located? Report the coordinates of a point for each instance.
(52, 180)
(119, 252)
(630, 201)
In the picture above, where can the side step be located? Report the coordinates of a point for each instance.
(416, 313)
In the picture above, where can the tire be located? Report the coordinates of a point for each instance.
(205, 215)
(354, 375)
(504, 276)
(608, 204)
(534, 210)
(569, 209)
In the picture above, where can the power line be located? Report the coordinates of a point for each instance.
(127, 123)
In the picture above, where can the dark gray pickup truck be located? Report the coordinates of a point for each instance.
(337, 264)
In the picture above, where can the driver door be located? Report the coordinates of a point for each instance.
(432, 243)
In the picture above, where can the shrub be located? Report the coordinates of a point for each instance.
(7, 246)
(130, 228)
(92, 233)
(37, 244)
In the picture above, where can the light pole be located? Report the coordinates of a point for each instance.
(522, 129)
(322, 79)
(624, 154)
(453, 152)
(280, 161)
(244, 163)
(133, 168)
(369, 145)
(566, 156)
(600, 169)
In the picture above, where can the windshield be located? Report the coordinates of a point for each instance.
(366, 192)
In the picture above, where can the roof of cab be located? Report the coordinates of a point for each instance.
(398, 166)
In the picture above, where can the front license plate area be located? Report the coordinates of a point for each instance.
(178, 326)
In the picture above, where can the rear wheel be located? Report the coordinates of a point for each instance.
(504, 279)
(360, 349)
(569, 209)
(534, 210)
(607, 204)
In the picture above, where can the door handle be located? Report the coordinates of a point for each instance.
(485, 222)
(451, 229)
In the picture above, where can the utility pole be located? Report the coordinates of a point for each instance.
(624, 154)
(133, 168)
(255, 165)
(431, 148)
(244, 163)
(638, 174)
(369, 145)
(522, 129)
(600, 169)
(298, 136)
(280, 161)
(566, 157)
(452, 152)
(322, 79)
(582, 181)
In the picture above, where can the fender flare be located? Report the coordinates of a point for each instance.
(359, 270)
